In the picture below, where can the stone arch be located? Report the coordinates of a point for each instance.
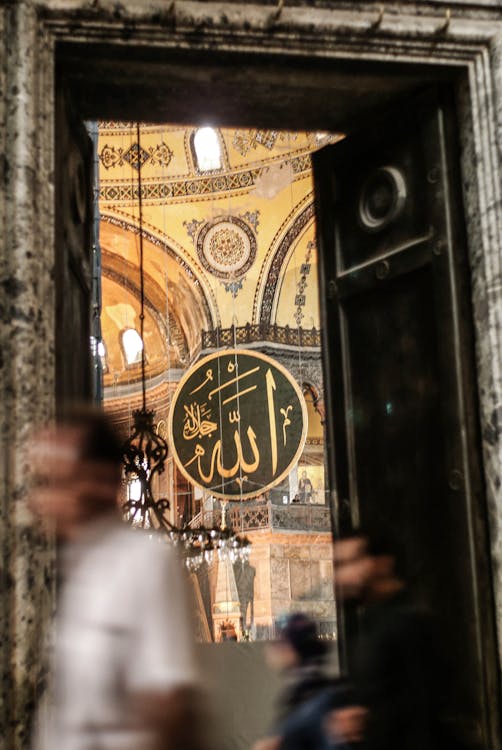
(200, 291)
(269, 285)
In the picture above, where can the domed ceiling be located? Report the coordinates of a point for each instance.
(225, 243)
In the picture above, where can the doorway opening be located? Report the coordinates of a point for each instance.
(333, 98)
(230, 263)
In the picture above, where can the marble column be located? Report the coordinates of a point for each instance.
(26, 358)
(492, 392)
(480, 111)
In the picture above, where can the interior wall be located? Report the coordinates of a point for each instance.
(243, 702)
(417, 35)
(241, 692)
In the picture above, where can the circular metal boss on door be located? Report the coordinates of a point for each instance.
(382, 198)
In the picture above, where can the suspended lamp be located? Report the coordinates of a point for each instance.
(144, 455)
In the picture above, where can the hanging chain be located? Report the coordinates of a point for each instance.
(141, 270)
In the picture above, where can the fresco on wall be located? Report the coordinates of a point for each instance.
(229, 265)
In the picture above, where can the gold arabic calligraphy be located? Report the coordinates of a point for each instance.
(240, 464)
(195, 424)
(202, 420)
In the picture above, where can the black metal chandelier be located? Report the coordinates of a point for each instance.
(144, 453)
(144, 456)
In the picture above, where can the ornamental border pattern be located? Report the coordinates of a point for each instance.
(418, 33)
(191, 188)
(272, 249)
(298, 225)
(136, 155)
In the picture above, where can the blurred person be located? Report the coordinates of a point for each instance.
(310, 691)
(123, 672)
(394, 664)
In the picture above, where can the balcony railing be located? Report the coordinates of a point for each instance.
(251, 332)
(249, 516)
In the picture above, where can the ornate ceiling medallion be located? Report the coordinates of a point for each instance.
(226, 247)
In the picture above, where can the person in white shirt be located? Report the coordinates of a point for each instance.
(123, 670)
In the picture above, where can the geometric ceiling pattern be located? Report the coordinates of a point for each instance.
(231, 246)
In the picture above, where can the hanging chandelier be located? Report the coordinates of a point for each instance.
(202, 545)
(144, 455)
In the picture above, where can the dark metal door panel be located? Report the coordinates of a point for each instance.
(73, 253)
(401, 404)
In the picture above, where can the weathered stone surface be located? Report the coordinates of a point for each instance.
(322, 550)
(305, 580)
(468, 38)
(279, 577)
(297, 551)
(26, 371)
(326, 581)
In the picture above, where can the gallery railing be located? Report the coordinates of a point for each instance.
(251, 332)
(249, 516)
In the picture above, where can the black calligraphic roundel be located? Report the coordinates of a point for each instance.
(237, 424)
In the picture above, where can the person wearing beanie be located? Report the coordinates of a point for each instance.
(301, 657)
(309, 692)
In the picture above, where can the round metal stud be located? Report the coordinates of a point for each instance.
(382, 198)
(433, 175)
(455, 479)
(382, 270)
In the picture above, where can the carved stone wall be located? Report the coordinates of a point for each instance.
(293, 571)
(454, 34)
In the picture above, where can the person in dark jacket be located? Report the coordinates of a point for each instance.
(310, 692)
(393, 660)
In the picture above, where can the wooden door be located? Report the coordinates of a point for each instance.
(400, 392)
(73, 254)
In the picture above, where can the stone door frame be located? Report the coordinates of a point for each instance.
(31, 31)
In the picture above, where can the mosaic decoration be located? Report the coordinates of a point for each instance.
(227, 247)
(245, 140)
(136, 156)
(302, 284)
(270, 285)
(116, 125)
(233, 287)
(192, 228)
(195, 187)
(252, 218)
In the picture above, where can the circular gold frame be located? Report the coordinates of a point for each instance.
(301, 399)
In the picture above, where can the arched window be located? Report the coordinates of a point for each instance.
(207, 149)
(132, 345)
